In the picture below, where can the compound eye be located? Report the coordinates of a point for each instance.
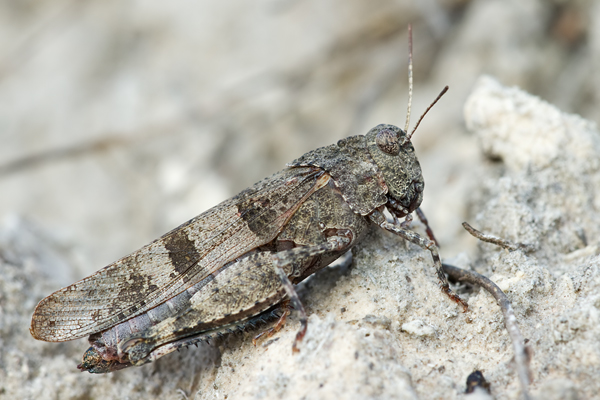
(387, 140)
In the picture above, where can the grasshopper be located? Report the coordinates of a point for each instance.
(233, 265)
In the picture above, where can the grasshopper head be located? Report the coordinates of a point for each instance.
(395, 157)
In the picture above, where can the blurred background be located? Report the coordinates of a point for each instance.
(119, 120)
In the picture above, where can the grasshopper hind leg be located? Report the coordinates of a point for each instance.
(285, 308)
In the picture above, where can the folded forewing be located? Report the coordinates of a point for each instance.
(175, 261)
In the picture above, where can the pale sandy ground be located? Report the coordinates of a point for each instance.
(121, 120)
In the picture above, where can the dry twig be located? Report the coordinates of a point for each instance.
(505, 244)
(522, 356)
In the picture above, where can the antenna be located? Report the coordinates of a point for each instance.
(426, 111)
(410, 77)
(410, 91)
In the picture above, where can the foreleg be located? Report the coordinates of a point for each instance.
(378, 218)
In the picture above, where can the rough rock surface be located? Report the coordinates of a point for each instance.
(120, 120)
(380, 328)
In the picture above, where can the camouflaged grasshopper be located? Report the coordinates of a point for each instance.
(226, 268)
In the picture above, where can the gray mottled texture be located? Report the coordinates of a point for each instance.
(381, 328)
(120, 120)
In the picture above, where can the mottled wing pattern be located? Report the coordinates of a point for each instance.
(176, 261)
